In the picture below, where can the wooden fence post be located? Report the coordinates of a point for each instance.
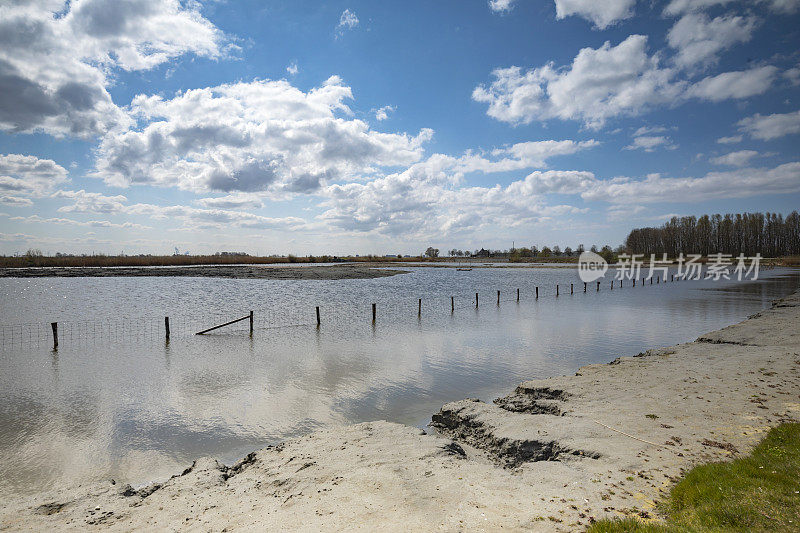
(452, 304)
(318, 320)
(373, 313)
(476, 300)
(166, 326)
(517, 294)
(556, 290)
(537, 293)
(251, 322)
(54, 325)
(419, 307)
(498, 297)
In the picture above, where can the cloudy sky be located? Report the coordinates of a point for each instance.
(301, 127)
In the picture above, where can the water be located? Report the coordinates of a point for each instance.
(122, 403)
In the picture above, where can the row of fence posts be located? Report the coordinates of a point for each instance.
(54, 325)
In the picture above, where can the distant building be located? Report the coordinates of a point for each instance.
(482, 253)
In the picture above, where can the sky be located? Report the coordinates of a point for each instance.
(358, 127)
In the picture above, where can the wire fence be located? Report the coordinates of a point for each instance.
(341, 315)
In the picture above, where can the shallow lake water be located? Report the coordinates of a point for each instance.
(116, 401)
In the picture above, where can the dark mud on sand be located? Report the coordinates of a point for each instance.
(214, 271)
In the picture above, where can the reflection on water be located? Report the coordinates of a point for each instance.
(139, 410)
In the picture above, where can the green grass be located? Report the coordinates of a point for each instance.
(754, 493)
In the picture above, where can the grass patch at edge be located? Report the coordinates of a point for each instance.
(753, 493)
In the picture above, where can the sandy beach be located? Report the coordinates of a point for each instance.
(281, 272)
(551, 456)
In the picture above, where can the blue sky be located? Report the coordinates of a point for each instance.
(376, 127)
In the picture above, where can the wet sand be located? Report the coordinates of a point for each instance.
(280, 272)
(551, 456)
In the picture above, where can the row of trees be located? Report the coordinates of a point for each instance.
(769, 234)
(520, 254)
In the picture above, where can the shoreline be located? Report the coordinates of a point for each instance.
(553, 455)
(292, 271)
(302, 271)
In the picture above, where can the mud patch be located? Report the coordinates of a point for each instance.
(506, 452)
(239, 466)
(727, 446)
(534, 400)
(50, 508)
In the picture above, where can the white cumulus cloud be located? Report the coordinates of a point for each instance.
(649, 143)
(347, 21)
(382, 113)
(734, 85)
(699, 39)
(501, 6)
(678, 7)
(57, 58)
(739, 158)
(599, 84)
(259, 136)
(741, 183)
(91, 202)
(232, 201)
(607, 82)
(28, 176)
(601, 14)
(421, 203)
(766, 127)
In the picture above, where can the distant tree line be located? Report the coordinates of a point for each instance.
(769, 234)
(526, 253)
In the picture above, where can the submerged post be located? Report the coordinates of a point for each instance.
(572, 288)
(612, 284)
(498, 297)
(476, 300)
(651, 280)
(584, 286)
(598, 286)
(517, 294)
(537, 293)
(55, 334)
(318, 321)
(634, 282)
(251, 322)
(452, 304)
(658, 280)
(373, 313)
(166, 326)
(556, 290)
(419, 307)
(672, 278)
